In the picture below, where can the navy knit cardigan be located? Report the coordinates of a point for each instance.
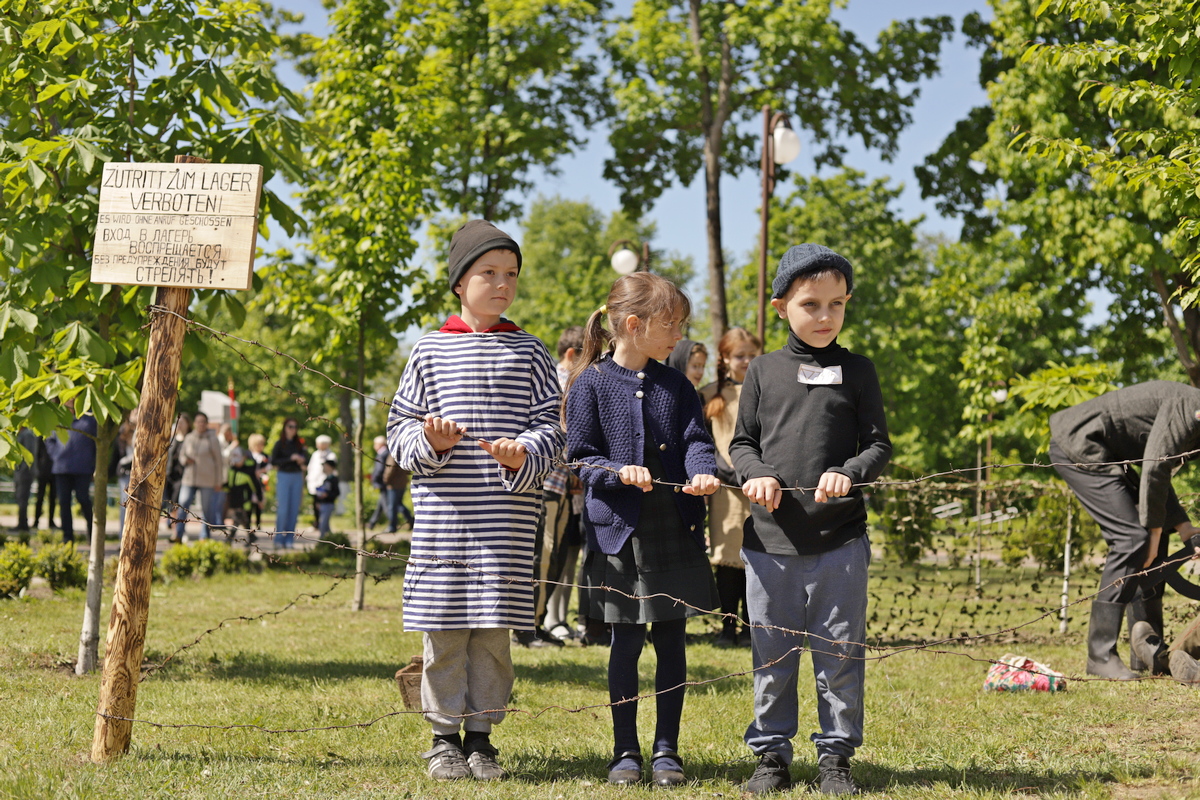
(609, 411)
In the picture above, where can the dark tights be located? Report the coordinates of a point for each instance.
(731, 588)
(627, 642)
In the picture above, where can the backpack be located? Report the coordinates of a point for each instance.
(393, 476)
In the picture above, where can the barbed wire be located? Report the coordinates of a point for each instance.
(887, 651)
(870, 652)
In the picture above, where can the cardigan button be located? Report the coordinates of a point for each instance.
(662, 447)
(639, 394)
(641, 376)
(693, 527)
(677, 489)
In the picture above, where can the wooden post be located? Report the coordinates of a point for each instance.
(131, 596)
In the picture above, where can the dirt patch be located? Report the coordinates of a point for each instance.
(52, 662)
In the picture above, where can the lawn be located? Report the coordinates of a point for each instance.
(931, 731)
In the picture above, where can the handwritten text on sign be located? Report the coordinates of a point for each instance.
(192, 225)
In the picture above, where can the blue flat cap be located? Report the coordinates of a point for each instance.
(803, 259)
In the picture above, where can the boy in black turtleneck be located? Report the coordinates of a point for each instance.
(811, 416)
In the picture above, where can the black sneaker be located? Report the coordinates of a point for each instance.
(447, 762)
(834, 775)
(771, 775)
(481, 759)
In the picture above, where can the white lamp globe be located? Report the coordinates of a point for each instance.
(625, 261)
(786, 144)
(999, 395)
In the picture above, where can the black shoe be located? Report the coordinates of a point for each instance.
(481, 760)
(727, 638)
(447, 762)
(834, 776)
(545, 636)
(625, 775)
(771, 775)
(668, 768)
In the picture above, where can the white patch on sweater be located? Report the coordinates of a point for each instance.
(819, 376)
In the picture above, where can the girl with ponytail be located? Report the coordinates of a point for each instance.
(728, 510)
(632, 425)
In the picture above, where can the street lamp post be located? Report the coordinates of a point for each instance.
(626, 261)
(780, 145)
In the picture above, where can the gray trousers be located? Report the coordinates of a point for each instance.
(826, 596)
(1112, 500)
(467, 679)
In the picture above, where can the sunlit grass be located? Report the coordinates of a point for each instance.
(931, 730)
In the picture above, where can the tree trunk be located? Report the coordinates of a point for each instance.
(1187, 355)
(712, 121)
(360, 559)
(89, 634)
(717, 314)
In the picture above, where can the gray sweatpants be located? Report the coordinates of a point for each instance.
(467, 679)
(824, 595)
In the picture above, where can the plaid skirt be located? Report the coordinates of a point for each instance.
(661, 572)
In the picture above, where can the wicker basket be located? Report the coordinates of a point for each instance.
(408, 678)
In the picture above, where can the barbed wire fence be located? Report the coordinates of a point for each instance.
(925, 520)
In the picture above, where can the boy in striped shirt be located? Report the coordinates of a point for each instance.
(475, 420)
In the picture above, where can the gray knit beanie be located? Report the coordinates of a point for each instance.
(803, 259)
(471, 241)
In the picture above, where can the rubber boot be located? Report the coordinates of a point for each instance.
(1143, 642)
(1103, 632)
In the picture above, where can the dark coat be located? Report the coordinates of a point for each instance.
(1153, 423)
(609, 412)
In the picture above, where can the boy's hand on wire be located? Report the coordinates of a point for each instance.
(509, 452)
(442, 434)
(702, 485)
(764, 492)
(832, 484)
(633, 475)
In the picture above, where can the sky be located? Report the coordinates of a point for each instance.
(679, 213)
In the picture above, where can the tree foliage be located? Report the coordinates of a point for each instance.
(82, 84)
(1085, 230)
(690, 79)
(946, 323)
(566, 273)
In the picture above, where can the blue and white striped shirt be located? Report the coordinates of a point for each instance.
(472, 549)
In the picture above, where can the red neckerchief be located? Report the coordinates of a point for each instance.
(456, 325)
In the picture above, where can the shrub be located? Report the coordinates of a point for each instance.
(61, 565)
(202, 559)
(16, 568)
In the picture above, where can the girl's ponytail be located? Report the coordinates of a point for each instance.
(595, 343)
(716, 406)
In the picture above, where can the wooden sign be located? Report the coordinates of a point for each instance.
(186, 225)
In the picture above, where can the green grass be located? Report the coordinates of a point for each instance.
(931, 732)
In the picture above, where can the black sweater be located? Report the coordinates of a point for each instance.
(1147, 422)
(795, 431)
